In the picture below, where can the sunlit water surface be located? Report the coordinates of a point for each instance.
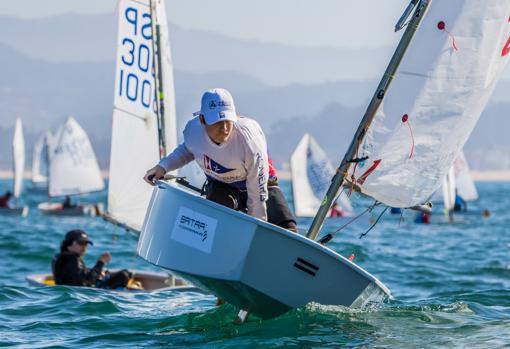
(450, 282)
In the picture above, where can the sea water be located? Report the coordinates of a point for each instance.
(450, 286)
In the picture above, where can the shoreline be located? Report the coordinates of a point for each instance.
(478, 176)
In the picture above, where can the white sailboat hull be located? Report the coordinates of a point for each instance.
(254, 265)
(14, 211)
(149, 281)
(56, 209)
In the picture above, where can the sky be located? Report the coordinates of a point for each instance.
(332, 23)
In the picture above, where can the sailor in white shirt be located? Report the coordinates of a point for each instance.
(232, 152)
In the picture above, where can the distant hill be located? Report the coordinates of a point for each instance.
(45, 93)
(488, 147)
(77, 38)
(64, 65)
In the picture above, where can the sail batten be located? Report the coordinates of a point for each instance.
(439, 92)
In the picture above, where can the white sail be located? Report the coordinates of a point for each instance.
(18, 157)
(73, 166)
(449, 189)
(135, 142)
(464, 181)
(442, 86)
(40, 160)
(311, 173)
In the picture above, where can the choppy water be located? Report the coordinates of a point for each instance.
(450, 282)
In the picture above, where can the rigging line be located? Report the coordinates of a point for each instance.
(326, 238)
(375, 223)
(338, 196)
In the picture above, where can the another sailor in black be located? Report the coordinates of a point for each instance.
(69, 268)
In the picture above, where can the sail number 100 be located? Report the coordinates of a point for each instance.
(131, 85)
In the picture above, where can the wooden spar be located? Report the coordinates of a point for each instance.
(350, 156)
(158, 81)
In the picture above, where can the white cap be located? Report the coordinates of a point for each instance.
(218, 105)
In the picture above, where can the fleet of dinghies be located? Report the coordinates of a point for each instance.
(73, 170)
(62, 166)
(445, 67)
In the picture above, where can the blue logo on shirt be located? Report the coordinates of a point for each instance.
(212, 165)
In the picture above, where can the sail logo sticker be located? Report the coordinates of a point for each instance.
(194, 229)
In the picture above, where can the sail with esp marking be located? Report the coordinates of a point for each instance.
(441, 87)
(135, 137)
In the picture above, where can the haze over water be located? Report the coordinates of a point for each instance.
(450, 285)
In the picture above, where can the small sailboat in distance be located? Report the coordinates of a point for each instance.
(465, 184)
(311, 172)
(73, 170)
(40, 162)
(458, 182)
(18, 166)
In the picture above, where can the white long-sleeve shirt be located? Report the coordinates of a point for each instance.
(241, 161)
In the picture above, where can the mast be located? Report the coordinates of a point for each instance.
(349, 158)
(158, 80)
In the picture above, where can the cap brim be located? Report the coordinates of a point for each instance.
(214, 117)
(83, 241)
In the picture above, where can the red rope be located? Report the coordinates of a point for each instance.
(405, 120)
(442, 26)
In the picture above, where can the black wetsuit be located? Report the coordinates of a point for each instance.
(69, 269)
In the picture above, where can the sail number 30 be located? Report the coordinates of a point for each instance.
(136, 75)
